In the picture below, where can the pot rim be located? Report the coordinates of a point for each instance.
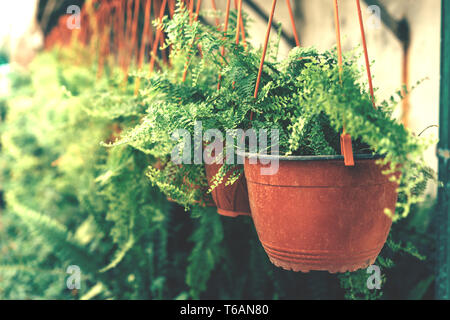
(308, 158)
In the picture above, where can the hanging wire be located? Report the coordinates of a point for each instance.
(294, 29)
(238, 6)
(213, 5)
(239, 18)
(147, 14)
(345, 139)
(366, 52)
(266, 43)
(338, 37)
(225, 30)
(191, 9)
(157, 37)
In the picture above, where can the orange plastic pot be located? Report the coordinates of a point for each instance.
(317, 214)
(231, 200)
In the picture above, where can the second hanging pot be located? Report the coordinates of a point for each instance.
(231, 200)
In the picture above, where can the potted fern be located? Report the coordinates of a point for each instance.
(176, 105)
(314, 212)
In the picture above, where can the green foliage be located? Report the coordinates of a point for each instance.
(207, 250)
(304, 96)
(84, 205)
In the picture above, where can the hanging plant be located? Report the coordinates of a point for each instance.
(319, 212)
(177, 100)
(315, 212)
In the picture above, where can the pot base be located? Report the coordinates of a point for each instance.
(321, 261)
(290, 266)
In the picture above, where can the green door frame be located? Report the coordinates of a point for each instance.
(443, 213)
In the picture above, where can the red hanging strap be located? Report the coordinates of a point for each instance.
(145, 32)
(132, 24)
(263, 57)
(191, 11)
(346, 140)
(129, 21)
(155, 45)
(239, 19)
(197, 11)
(171, 8)
(241, 28)
(134, 39)
(338, 37)
(141, 54)
(366, 53)
(225, 30)
(294, 29)
(213, 4)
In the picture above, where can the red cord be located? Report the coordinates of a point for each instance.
(191, 9)
(147, 13)
(239, 18)
(366, 52)
(294, 29)
(157, 37)
(263, 57)
(227, 19)
(137, 5)
(171, 8)
(199, 3)
(148, 8)
(213, 4)
(338, 37)
(241, 24)
(346, 140)
(266, 43)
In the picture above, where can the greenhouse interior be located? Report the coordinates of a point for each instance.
(224, 150)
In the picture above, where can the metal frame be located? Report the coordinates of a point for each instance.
(443, 212)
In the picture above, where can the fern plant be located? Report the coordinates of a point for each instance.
(303, 96)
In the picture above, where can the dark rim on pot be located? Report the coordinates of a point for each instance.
(307, 158)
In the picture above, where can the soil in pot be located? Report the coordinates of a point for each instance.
(319, 214)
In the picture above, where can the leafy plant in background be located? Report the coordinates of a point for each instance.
(87, 205)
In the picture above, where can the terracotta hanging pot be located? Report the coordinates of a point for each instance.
(317, 214)
(231, 200)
